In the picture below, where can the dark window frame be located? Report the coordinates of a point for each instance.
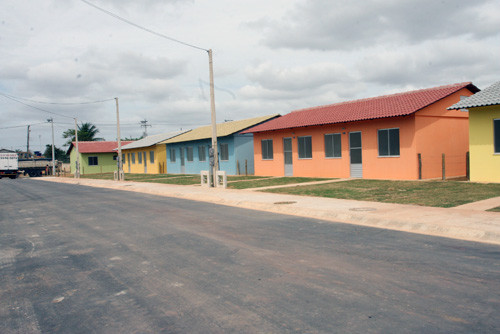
(172, 154)
(304, 147)
(224, 152)
(496, 136)
(202, 153)
(267, 149)
(388, 146)
(336, 147)
(93, 162)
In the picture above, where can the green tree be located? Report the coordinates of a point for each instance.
(59, 154)
(86, 132)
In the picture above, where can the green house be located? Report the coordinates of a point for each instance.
(95, 156)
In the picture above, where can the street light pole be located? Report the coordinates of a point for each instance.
(214, 122)
(51, 120)
(77, 167)
(120, 162)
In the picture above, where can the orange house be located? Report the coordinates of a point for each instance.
(405, 136)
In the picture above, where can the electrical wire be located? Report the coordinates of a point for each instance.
(21, 126)
(55, 103)
(47, 111)
(141, 27)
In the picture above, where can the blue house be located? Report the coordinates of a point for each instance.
(188, 152)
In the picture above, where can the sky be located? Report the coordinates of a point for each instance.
(269, 56)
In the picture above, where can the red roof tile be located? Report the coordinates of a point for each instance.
(97, 146)
(400, 104)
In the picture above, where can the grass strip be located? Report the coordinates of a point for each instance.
(428, 193)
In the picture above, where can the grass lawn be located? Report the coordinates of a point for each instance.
(497, 209)
(427, 193)
(272, 182)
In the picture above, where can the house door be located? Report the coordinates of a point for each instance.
(145, 163)
(183, 168)
(287, 154)
(356, 154)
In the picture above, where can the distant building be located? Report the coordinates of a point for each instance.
(147, 155)
(95, 156)
(188, 153)
(399, 136)
(484, 133)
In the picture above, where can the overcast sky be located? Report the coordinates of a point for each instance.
(270, 56)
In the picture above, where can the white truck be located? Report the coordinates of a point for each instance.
(8, 164)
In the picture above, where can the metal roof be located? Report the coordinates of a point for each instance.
(488, 97)
(152, 140)
(223, 129)
(394, 105)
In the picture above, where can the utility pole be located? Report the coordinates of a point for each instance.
(28, 143)
(120, 162)
(144, 124)
(77, 167)
(51, 120)
(214, 122)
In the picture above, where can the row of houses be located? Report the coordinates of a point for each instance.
(421, 134)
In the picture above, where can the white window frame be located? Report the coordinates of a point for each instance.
(388, 143)
(298, 148)
(333, 146)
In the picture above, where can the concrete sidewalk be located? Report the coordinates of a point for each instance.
(459, 223)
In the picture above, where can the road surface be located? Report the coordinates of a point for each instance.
(76, 259)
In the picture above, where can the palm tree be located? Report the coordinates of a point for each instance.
(86, 132)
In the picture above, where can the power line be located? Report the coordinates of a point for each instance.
(141, 27)
(20, 126)
(50, 112)
(55, 103)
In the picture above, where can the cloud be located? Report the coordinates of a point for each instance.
(291, 79)
(349, 25)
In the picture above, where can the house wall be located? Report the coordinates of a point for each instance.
(374, 167)
(244, 156)
(440, 131)
(431, 132)
(190, 167)
(105, 161)
(240, 148)
(484, 163)
(157, 167)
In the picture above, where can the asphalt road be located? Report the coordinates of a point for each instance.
(76, 259)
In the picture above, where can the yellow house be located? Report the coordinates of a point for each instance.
(484, 133)
(147, 155)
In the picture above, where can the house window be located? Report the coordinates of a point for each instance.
(496, 134)
(333, 147)
(305, 147)
(115, 157)
(224, 152)
(128, 158)
(202, 153)
(139, 156)
(267, 149)
(388, 143)
(133, 158)
(152, 157)
(189, 153)
(172, 155)
(123, 158)
(93, 161)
